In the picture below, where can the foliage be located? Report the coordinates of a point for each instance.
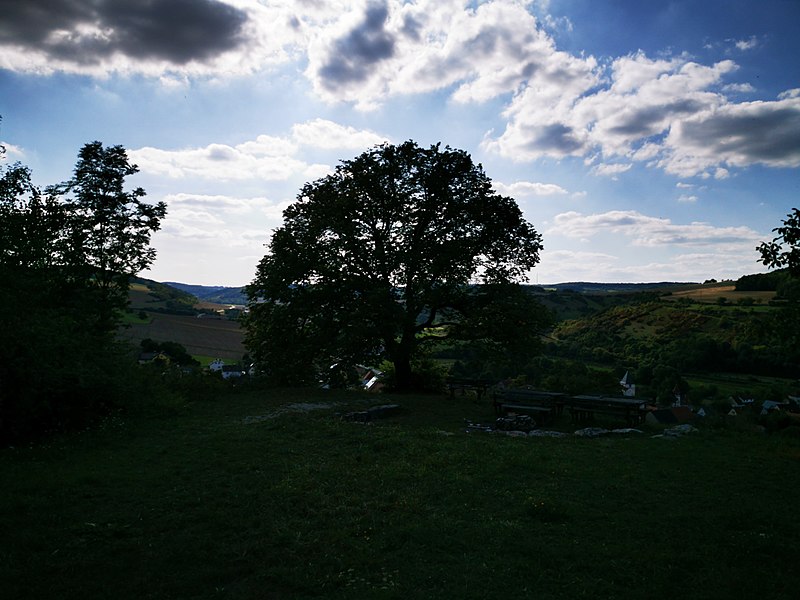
(784, 249)
(176, 353)
(428, 375)
(400, 248)
(111, 227)
(173, 297)
(69, 258)
(569, 376)
(681, 336)
(762, 282)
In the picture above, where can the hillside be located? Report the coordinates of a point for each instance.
(173, 315)
(611, 288)
(681, 335)
(213, 293)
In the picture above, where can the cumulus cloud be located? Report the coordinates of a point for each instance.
(206, 204)
(392, 47)
(735, 135)
(149, 36)
(353, 56)
(741, 88)
(10, 151)
(529, 188)
(216, 161)
(650, 231)
(669, 112)
(321, 133)
(269, 158)
(567, 265)
(610, 170)
(218, 221)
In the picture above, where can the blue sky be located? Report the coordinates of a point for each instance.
(646, 141)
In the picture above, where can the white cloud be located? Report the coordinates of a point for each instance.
(529, 188)
(747, 44)
(559, 266)
(664, 112)
(321, 133)
(216, 161)
(12, 152)
(222, 204)
(668, 112)
(158, 39)
(610, 170)
(735, 135)
(741, 88)
(267, 157)
(651, 231)
(687, 198)
(721, 173)
(567, 265)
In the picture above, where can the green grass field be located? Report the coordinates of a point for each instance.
(243, 497)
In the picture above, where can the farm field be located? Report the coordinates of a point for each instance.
(218, 338)
(712, 294)
(267, 494)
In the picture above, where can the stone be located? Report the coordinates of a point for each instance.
(680, 430)
(514, 433)
(592, 432)
(543, 433)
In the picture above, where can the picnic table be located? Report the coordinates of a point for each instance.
(585, 408)
(479, 386)
(545, 405)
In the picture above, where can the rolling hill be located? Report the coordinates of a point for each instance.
(212, 293)
(171, 315)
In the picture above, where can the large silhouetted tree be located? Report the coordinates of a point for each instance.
(398, 247)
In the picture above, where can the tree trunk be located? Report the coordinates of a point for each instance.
(402, 373)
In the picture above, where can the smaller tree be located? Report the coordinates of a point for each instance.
(111, 226)
(784, 249)
(784, 252)
(65, 257)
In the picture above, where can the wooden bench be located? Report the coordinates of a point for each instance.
(545, 405)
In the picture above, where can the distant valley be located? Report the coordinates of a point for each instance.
(212, 293)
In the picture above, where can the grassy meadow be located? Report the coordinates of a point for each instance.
(253, 495)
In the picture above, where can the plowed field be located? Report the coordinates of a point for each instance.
(205, 336)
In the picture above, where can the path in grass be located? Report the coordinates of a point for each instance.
(203, 504)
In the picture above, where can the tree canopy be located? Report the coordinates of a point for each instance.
(66, 254)
(399, 248)
(784, 249)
